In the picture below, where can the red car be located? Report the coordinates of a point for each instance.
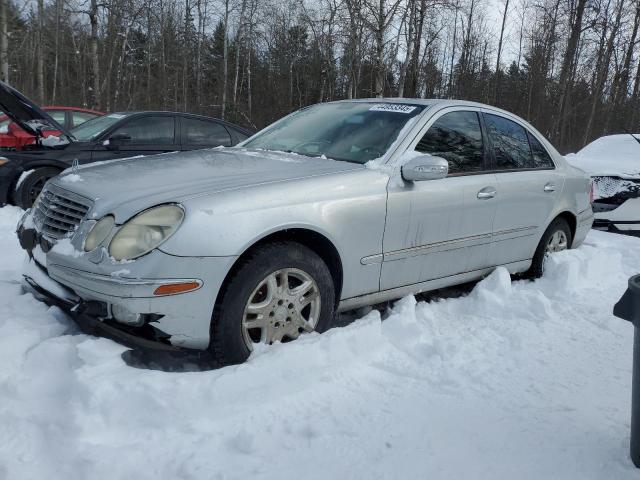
(12, 136)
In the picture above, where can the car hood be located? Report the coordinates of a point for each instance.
(31, 118)
(612, 155)
(126, 186)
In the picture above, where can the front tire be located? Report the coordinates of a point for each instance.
(557, 237)
(279, 291)
(28, 189)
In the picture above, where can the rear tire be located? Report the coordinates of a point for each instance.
(27, 190)
(257, 307)
(559, 230)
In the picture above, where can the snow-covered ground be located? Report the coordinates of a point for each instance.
(515, 380)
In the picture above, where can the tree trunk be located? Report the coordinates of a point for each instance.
(4, 42)
(56, 53)
(40, 60)
(411, 7)
(504, 21)
(602, 72)
(566, 73)
(94, 99)
(225, 59)
(239, 42)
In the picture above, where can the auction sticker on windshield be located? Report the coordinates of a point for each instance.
(392, 107)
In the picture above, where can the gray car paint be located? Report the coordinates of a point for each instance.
(393, 237)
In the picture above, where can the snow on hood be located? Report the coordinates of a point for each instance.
(612, 155)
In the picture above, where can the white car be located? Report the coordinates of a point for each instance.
(613, 162)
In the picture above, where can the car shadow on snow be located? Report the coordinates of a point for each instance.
(202, 361)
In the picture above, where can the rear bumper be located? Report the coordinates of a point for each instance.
(584, 223)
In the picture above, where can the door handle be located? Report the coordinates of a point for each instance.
(486, 193)
(549, 187)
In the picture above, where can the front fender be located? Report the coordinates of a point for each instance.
(348, 209)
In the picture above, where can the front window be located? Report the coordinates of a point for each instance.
(350, 131)
(91, 129)
(457, 138)
(153, 130)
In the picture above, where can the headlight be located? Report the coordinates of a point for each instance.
(3, 160)
(98, 233)
(145, 231)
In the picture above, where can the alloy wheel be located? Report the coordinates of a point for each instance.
(285, 304)
(557, 242)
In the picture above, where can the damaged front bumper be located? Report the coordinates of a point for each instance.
(621, 217)
(617, 206)
(93, 293)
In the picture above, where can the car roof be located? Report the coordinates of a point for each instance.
(426, 102)
(72, 109)
(182, 114)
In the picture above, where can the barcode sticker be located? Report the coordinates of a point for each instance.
(392, 107)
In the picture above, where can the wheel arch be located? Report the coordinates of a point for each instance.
(34, 165)
(312, 239)
(571, 219)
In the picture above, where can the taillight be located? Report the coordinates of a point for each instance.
(591, 192)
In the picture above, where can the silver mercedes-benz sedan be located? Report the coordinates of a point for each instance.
(334, 207)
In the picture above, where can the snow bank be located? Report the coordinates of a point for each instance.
(617, 155)
(524, 380)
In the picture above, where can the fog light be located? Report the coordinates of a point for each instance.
(124, 315)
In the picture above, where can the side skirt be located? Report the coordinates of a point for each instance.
(434, 284)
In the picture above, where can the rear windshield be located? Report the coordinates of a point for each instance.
(350, 131)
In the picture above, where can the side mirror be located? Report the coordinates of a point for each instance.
(116, 140)
(425, 167)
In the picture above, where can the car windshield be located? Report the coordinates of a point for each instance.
(350, 131)
(90, 129)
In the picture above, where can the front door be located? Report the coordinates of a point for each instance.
(443, 227)
(141, 135)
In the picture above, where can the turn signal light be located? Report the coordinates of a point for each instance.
(174, 288)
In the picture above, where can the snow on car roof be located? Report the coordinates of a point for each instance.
(612, 155)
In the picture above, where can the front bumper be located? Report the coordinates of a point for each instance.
(624, 218)
(90, 292)
(86, 316)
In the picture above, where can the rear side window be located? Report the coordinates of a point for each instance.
(57, 115)
(204, 133)
(510, 143)
(457, 138)
(541, 158)
(81, 117)
(149, 130)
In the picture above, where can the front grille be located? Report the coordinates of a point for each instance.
(58, 212)
(611, 187)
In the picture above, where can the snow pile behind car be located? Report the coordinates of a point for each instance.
(523, 380)
(612, 155)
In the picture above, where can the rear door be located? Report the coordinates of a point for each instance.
(145, 135)
(528, 188)
(438, 228)
(202, 133)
